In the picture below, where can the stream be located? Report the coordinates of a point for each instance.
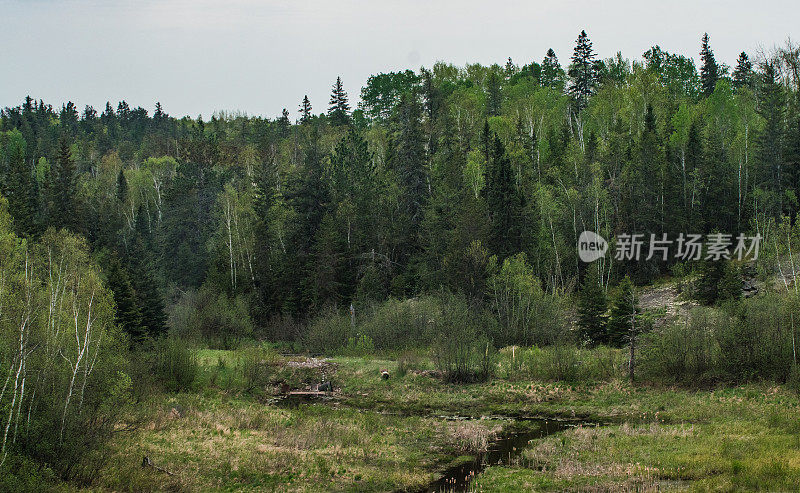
(509, 444)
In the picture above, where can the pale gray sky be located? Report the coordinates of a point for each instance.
(198, 56)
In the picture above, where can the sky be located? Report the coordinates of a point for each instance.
(200, 56)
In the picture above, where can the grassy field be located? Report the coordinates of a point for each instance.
(387, 435)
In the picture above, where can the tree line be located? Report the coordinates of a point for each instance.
(435, 173)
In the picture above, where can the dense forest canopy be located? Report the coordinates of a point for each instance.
(432, 181)
(447, 203)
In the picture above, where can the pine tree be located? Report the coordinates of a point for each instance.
(743, 73)
(771, 108)
(410, 159)
(624, 311)
(592, 307)
(709, 72)
(141, 264)
(305, 110)
(494, 96)
(552, 73)
(582, 72)
(284, 125)
(127, 313)
(61, 190)
(504, 202)
(339, 108)
(122, 187)
(20, 186)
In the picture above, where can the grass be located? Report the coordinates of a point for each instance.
(384, 435)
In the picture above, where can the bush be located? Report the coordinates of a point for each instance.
(525, 313)
(255, 365)
(175, 365)
(683, 352)
(328, 332)
(405, 324)
(214, 317)
(360, 345)
(461, 352)
(745, 341)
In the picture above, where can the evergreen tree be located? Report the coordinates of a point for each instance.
(494, 96)
(743, 73)
(305, 110)
(709, 72)
(20, 186)
(552, 73)
(504, 203)
(583, 72)
(771, 108)
(141, 264)
(624, 310)
(410, 160)
(339, 108)
(61, 189)
(718, 281)
(592, 307)
(284, 125)
(122, 187)
(127, 313)
(264, 269)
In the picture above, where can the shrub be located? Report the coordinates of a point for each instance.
(745, 341)
(175, 365)
(328, 332)
(360, 345)
(461, 352)
(526, 315)
(405, 324)
(255, 365)
(683, 352)
(212, 316)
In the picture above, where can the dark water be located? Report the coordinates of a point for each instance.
(501, 451)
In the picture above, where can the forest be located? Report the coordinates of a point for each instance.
(428, 225)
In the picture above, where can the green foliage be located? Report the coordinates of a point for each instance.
(175, 365)
(749, 341)
(592, 307)
(214, 317)
(461, 351)
(526, 314)
(622, 322)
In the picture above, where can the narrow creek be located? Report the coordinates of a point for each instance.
(511, 442)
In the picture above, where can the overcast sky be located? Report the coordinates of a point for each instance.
(199, 56)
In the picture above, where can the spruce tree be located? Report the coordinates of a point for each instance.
(127, 313)
(709, 72)
(743, 73)
(771, 108)
(122, 187)
(305, 110)
(20, 186)
(504, 202)
(592, 307)
(582, 72)
(494, 96)
(410, 159)
(61, 190)
(141, 264)
(284, 125)
(552, 73)
(624, 310)
(339, 108)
